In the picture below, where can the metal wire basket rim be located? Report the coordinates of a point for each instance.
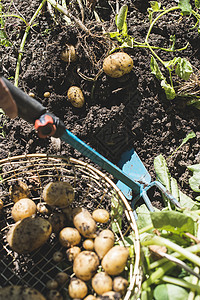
(129, 212)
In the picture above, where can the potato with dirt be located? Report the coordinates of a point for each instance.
(120, 284)
(101, 283)
(73, 252)
(59, 193)
(84, 222)
(101, 215)
(18, 191)
(23, 208)
(18, 292)
(85, 265)
(111, 295)
(115, 260)
(29, 234)
(104, 242)
(69, 54)
(75, 96)
(117, 64)
(77, 288)
(57, 220)
(69, 237)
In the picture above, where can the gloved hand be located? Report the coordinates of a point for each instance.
(6, 101)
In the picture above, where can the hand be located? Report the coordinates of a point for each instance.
(6, 101)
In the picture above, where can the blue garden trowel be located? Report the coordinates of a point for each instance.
(133, 178)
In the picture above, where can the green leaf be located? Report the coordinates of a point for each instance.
(169, 90)
(144, 218)
(162, 171)
(169, 292)
(183, 68)
(155, 69)
(194, 181)
(189, 136)
(197, 198)
(185, 7)
(155, 5)
(187, 202)
(121, 17)
(174, 188)
(197, 3)
(116, 213)
(172, 221)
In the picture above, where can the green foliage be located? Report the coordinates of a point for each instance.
(185, 7)
(3, 37)
(194, 181)
(170, 292)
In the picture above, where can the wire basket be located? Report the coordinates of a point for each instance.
(93, 189)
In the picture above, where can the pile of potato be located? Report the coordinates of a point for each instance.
(96, 258)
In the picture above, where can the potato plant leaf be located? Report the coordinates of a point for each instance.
(185, 7)
(172, 221)
(169, 90)
(169, 292)
(183, 68)
(155, 69)
(121, 17)
(144, 218)
(162, 171)
(194, 181)
(155, 5)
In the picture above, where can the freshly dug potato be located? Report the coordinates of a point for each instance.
(120, 285)
(88, 244)
(29, 234)
(77, 288)
(101, 283)
(23, 208)
(75, 96)
(111, 295)
(69, 54)
(90, 297)
(61, 278)
(85, 265)
(101, 215)
(73, 252)
(84, 222)
(104, 242)
(58, 193)
(57, 256)
(69, 236)
(18, 292)
(57, 220)
(52, 284)
(54, 295)
(117, 64)
(18, 191)
(115, 260)
(43, 208)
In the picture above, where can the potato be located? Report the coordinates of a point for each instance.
(57, 256)
(69, 54)
(69, 236)
(75, 96)
(115, 260)
(85, 265)
(18, 191)
(120, 285)
(101, 215)
(77, 288)
(43, 209)
(104, 242)
(61, 278)
(23, 208)
(54, 295)
(90, 297)
(101, 283)
(88, 244)
(73, 252)
(58, 193)
(117, 64)
(52, 284)
(28, 234)
(57, 220)
(84, 222)
(111, 295)
(18, 292)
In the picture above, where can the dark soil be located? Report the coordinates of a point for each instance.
(119, 113)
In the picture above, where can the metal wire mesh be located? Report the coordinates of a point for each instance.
(93, 190)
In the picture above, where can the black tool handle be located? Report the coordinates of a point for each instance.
(32, 111)
(29, 109)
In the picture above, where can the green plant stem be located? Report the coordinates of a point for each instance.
(157, 240)
(69, 15)
(22, 45)
(191, 249)
(150, 28)
(181, 282)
